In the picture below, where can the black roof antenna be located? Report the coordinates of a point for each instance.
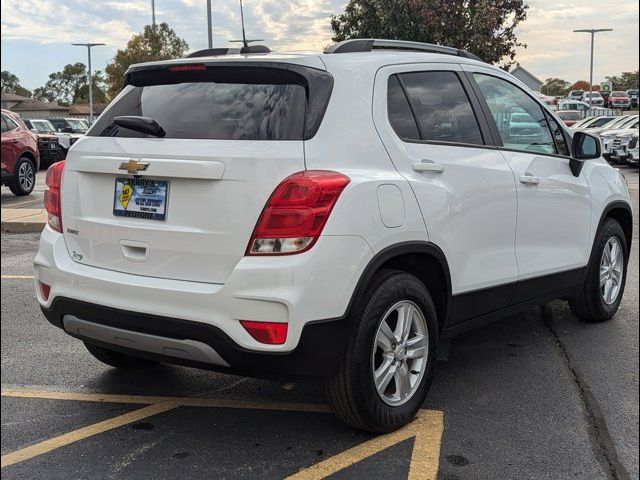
(245, 43)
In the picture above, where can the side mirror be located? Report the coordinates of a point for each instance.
(583, 147)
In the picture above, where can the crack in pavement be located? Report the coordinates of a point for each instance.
(599, 437)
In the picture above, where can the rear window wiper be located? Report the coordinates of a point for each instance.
(140, 124)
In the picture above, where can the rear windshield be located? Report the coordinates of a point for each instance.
(220, 103)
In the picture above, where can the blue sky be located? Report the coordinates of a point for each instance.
(36, 33)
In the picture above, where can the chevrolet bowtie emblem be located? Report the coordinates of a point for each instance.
(133, 166)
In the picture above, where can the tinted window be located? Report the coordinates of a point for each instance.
(10, 124)
(507, 103)
(222, 102)
(558, 136)
(400, 115)
(441, 107)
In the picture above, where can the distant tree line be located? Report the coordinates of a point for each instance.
(557, 87)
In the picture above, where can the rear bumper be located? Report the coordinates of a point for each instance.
(302, 290)
(318, 353)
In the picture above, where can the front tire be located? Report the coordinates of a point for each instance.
(118, 359)
(389, 362)
(602, 292)
(24, 177)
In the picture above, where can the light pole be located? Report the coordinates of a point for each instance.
(593, 32)
(153, 14)
(89, 45)
(209, 26)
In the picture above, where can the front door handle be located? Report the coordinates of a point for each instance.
(529, 179)
(428, 166)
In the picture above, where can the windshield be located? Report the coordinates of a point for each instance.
(618, 94)
(593, 95)
(76, 125)
(43, 126)
(621, 122)
(569, 115)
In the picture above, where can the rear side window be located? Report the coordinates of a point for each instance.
(8, 124)
(218, 103)
(400, 116)
(441, 107)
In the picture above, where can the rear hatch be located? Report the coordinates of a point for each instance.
(183, 206)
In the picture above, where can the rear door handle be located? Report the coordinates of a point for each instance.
(428, 166)
(529, 179)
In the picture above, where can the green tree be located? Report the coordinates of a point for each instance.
(625, 81)
(555, 87)
(11, 84)
(159, 43)
(483, 27)
(70, 86)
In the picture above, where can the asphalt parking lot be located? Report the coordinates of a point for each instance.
(539, 395)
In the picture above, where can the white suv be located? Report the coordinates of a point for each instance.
(328, 216)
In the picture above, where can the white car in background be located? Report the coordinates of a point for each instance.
(593, 99)
(622, 122)
(45, 126)
(593, 122)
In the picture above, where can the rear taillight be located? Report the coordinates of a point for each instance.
(296, 213)
(44, 290)
(271, 333)
(52, 196)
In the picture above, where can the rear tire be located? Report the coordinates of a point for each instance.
(24, 177)
(603, 289)
(118, 359)
(358, 394)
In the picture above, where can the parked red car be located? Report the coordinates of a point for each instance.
(20, 157)
(619, 99)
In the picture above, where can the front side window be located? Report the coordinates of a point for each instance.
(521, 121)
(558, 136)
(441, 107)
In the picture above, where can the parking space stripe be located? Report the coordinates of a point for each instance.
(17, 277)
(178, 401)
(82, 433)
(426, 430)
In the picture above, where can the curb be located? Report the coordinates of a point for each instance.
(16, 226)
(23, 220)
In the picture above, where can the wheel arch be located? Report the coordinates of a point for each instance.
(622, 213)
(425, 260)
(30, 155)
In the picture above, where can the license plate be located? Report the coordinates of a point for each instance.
(140, 198)
(620, 152)
(54, 146)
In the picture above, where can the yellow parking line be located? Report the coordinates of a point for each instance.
(427, 430)
(17, 277)
(178, 401)
(82, 433)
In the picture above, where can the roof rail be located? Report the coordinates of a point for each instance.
(370, 44)
(213, 52)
